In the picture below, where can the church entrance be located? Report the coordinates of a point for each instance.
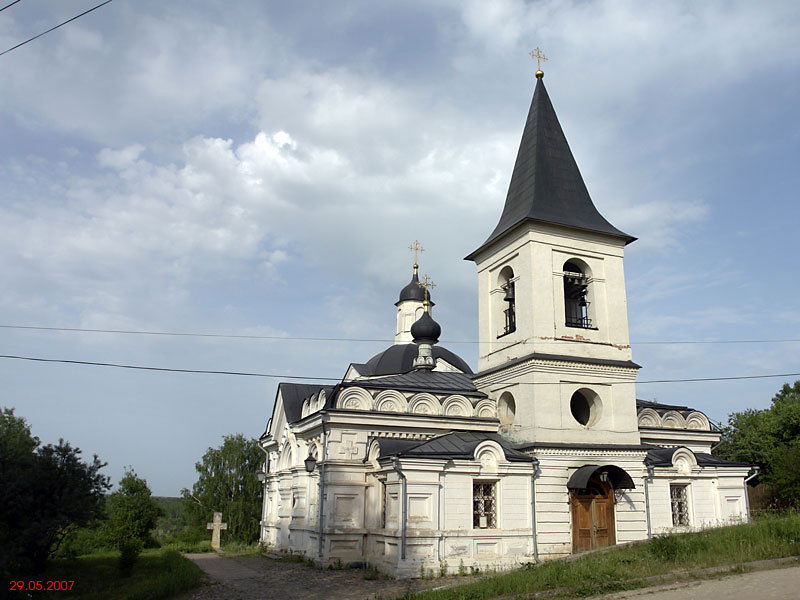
(593, 516)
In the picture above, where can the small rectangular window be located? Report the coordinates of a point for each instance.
(680, 505)
(484, 506)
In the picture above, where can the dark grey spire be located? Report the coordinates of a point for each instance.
(546, 184)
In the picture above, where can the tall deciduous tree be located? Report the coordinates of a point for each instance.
(770, 438)
(228, 483)
(45, 492)
(133, 515)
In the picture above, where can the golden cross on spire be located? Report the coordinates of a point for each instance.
(537, 54)
(416, 248)
(426, 283)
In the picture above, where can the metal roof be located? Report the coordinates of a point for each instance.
(422, 380)
(399, 358)
(294, 394)
(454, 445)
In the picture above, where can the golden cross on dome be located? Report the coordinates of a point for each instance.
(416, 248)
(537, 54)
(426, 283)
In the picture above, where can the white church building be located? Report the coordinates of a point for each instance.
(413, 461)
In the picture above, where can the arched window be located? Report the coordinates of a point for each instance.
(507, 302)
(576, 291)
(506, 409)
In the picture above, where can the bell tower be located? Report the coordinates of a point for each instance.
(553, 323)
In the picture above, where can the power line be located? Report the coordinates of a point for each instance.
(274, 376)
(52, 28)
(335, 339)
(166, 369)
(9, 5)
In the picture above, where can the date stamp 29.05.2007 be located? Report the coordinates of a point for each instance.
(40, 586)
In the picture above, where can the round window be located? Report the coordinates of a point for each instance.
(585, 407)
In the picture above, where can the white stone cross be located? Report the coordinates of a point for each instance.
(349, 449)
(217, 526)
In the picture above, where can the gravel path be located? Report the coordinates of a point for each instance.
(775, 584)
(260, 577)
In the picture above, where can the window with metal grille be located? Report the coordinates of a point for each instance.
(680, 505)
(484, 506)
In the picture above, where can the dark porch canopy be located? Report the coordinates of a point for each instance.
(618, 477)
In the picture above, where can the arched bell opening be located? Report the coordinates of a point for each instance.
(577, 294)
(505, 302)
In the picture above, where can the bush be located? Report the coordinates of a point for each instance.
(133, 515)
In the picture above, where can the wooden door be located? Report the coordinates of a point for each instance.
(593, 517)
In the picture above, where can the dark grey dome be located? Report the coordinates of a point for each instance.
(426, 330)
(400, 359)
(414, 291)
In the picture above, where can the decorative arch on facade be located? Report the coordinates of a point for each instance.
(578, 294)
(697, 420)
(489, 454)
(355, 398)
(673, 420)
(649, 418)
(424, 404)
(486, 409)
(391, 401)
(684, 460)
(457, 406)
(373, 452)
(286, 459)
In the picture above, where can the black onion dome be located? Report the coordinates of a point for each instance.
(425, 329)
(414, 291)
(400, 359)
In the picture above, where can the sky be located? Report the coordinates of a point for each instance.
(260, 169)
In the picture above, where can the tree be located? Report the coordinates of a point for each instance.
(769, 438)
(46, 492)
(228, 483)
(132, 516)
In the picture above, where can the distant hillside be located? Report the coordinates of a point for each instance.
(173, 521)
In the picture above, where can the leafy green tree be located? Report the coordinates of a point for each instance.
(228, 483)
(45, 492)
(132, 516)
(769, 438)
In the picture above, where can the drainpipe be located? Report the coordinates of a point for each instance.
(650, 473)
(756, 469)
(396, 466)
(320, 500)
(533, 510)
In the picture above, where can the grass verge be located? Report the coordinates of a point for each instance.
(156, 575)
(624, 567)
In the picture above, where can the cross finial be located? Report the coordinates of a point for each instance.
(537, 54)
(426, 283)
(416, 249)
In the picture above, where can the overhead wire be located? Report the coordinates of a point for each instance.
(281, 376)
(343, 339)
(86, 12)
(9, 5)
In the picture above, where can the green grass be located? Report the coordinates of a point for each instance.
(157, 574)
(623, 567)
